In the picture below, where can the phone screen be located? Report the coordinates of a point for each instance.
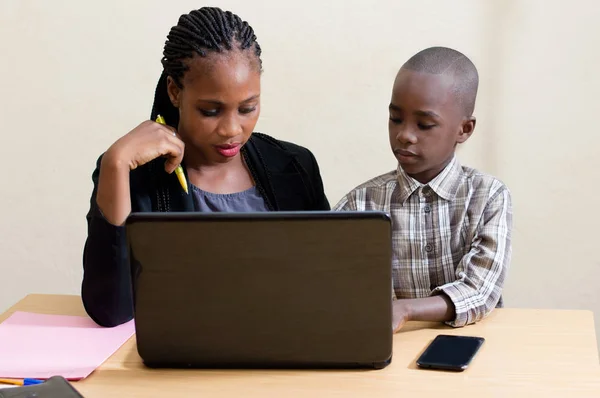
(450, 352)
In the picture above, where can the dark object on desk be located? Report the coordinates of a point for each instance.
(262, 290)
(450, 352)
(54, 387)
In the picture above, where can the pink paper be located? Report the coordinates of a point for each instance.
(41, 346)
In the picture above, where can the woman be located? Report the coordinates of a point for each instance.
(209, 94)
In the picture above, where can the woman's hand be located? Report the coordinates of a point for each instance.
(145, 143)
(141, 145)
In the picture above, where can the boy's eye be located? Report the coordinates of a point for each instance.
(247, 110)
(209, 112)
(426, 126)
(395, 120)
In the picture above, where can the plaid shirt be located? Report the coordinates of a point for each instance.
(452, 235)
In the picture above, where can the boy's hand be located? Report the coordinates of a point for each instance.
(438, 308)
(400, 314)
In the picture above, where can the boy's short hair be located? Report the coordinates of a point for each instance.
(444, 61)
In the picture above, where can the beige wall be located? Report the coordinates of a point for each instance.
(77, 75)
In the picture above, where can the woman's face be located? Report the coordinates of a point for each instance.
(219, 104)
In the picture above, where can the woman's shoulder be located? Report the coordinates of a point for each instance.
(267, 144)
(294, 172)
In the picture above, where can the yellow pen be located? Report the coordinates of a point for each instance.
(179, 169)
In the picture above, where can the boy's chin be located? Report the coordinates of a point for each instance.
(411, 168)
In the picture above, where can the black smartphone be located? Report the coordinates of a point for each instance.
(450, 352)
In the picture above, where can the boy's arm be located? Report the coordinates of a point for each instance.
(347, 203)
(480, 274)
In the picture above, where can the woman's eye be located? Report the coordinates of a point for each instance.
(209, 113)
(395, 120)
(426, 126)
(247, 110)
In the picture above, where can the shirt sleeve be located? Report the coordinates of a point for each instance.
(347, 203)
(482, 271)
(106, 286)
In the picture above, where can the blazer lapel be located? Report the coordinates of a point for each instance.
(277, 172)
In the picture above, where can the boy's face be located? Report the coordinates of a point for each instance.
(426, 123)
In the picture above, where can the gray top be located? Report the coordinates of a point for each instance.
(249, 200)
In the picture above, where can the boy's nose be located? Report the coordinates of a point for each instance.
(406, 136)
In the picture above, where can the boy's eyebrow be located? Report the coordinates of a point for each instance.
(215, 102)
(427, 114)
(430, 114)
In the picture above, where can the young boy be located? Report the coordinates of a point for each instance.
(451, 224)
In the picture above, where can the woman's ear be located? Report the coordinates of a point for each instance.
(174, 92)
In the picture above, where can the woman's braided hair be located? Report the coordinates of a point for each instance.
(202, 31)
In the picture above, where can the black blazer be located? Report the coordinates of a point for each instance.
(286, 175)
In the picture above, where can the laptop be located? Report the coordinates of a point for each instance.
(262, 290)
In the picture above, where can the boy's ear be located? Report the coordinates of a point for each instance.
(467, 128)
(174, 91)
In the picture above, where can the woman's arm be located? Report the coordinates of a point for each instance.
(106, 286)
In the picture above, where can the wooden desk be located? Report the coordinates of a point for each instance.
(551, 353)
